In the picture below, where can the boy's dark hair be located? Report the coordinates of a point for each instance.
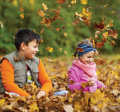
(85, 41)
(26, 36)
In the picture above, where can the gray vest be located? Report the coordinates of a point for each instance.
(20, 71)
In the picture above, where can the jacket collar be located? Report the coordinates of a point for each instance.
(88, 69)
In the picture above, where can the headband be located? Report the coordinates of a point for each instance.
(85, 49)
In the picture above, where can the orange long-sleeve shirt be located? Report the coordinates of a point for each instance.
(7, 74)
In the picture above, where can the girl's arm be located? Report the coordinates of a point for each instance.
(7, 74)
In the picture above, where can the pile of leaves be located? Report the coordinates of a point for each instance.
(103, 100)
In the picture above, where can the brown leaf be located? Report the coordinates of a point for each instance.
(100, 26)
(61, 1)
(79, 49)
(99, 44)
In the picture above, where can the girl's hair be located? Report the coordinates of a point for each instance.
(85, 41)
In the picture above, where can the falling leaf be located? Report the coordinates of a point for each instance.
(1, 24)
(73, 1)
(113, 33)
(34, 30)
(42, 30)
(60, 49)
(51, 49)
(44, 6)
(2, 50)
(22, 9)
(100, 26)
(106, 5)
(76, 22)
(41, 13)
(112, 43)
(50, 60)
(60, 7)
(57, 29)
(113, 12)
(41, 40)
(96, 34)
(63, 27)
(22, 16)
(65, 52)
(47, 48)
(100, 61)
(83, 2)
(69, 5)
(65, 34)
(61, 1)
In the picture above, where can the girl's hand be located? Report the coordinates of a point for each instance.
(40, 94)
(90, 83)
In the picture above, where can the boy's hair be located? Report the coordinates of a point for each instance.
(26, 36)
(85, 41)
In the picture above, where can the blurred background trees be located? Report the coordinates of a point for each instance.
(12, 22)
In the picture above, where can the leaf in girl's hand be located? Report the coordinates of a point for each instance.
(84, 84)
(17, 59)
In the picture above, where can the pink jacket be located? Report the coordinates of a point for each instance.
(79, 73)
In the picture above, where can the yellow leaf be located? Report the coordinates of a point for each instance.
(22, 16)
(2, 102)
(33, 107)
(60, 7)
(15, 3)
(69, 5)
(44, 6)
(57, 29)
(65, 34)
(83, 2)
(41, 40)
(106, 5)
(51, 49)
(42, 30)
(86, 12)
(73, 1)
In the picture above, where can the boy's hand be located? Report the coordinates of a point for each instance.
(40, 94)
(90, 83)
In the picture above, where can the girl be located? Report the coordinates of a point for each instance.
(84, 69)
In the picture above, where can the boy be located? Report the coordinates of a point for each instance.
(21, 66)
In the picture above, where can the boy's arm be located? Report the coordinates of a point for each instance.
(7, 74)
(43, 78)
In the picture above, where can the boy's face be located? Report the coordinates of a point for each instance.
(31, 49)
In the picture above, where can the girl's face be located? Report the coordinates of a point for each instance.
(87, 58)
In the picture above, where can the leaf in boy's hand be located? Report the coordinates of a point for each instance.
(71, 82)
(84, 84)
(17, 59)
(44, 6)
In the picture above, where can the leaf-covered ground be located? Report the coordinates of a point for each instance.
(101, 101)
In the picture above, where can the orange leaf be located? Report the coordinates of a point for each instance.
(99, 44)
(22, 9)
(17, 59)
(65, 34)
(57, 29)
(61, 1)
(79, 49)
(42, 30)
(41, 13)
